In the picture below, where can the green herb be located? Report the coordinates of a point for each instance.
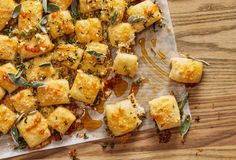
(183, 101)
(185, 127)
(136, 19)
(16, 11)
(113, 17)
(28, 35)
(46, 64)
(156, 26)
(70, 40)
(74, 9)
(45, 4)
(199, 60)
(42, 24)
(18, 74)
(8, 31)
(96, 54)
(52, 8)
(35, 84)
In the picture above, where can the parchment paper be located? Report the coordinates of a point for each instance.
(151, 66)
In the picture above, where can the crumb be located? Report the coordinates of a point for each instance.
(197, 119)
(73, 154)
(164, 136)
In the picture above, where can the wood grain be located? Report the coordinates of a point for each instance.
(205, 29)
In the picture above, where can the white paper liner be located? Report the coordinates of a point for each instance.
(159, 84)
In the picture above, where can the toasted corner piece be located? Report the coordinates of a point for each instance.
(24, 101)
(63, 4)
(89, 5)
(88, 30)
(125, 64)
(95, 59)
(165, 112)
(61, 119)
(6, 9)
(124, 116)
(143, 15)
(121, 35)
(34, 129)
(113, 11)
(30, 15)
(5, 81)
(186, 70)
(54, 92)
(7, 119)
(38, 45)
(8, 47)
(60, 23)
(85, 87)
(69, 55)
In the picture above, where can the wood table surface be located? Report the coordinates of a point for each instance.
(205, 29)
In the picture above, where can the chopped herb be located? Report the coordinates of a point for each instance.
(52, 8)
(70, 40)
(18, 74)
(16, 11)
(46, 64)
(42, 24)
(113, 17)
(183, 101)
(136, 19)
(74, 10)
(8, 31)
(185, 127)
(96, 54)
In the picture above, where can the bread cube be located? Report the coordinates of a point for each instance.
(60, 23)
(63, 4)
(61, 119)
(7, 119)
(85, 87)
(2, 93)
(5, 81)
(125, 64)
(40, 68)
(186, 70)
(165, 112)
(54, 92)
(6, 9)
(38, 45)
(143, 15)
(121, 35)
(24, 101)
(34, 129)
(113, 11)
(91, 63)
(123, 117)
(30, 15)
(88, 30)
(89, 5)
(69, 55)
(8, 47)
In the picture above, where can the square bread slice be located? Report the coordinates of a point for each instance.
(7, 119)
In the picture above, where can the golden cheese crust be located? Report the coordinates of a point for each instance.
(143, 15)
(38, 45)
(24, 101)
(7, 119)
(30, 15)
(121, 35)
(165, 112)
(122, 117)
(6, 9)
(90, 5)
(63, 4)
(5, 81)
(34, 129)
(2, 93)
(60, 23)
(8, 47)
(92, 64)
(125, 64)
(85, 87)
(69, 55)
(186, 70)
(54, 92)
(88, 30)
(61, 119)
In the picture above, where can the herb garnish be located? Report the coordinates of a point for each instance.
(156, 26)
(199, 60)
(113, 17)
(74, 10)
(46, 64)
(183, 101)
(96, 54)
(185, 126)
(52, 8)
(16, 11)
(42, 24)
(136, 19)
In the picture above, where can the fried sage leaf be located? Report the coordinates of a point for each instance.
(74, 9)
(136, 19)
(45, 5)
(16, 11)
(183, 101)
(185, 126)
(113, 18)
(46, 64)
(96, 54)
(42, 24)
(52, 8)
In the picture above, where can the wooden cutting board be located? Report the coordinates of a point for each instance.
(204, 29)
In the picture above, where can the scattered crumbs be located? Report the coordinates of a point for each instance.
(198, 151)
(164, 136)
(73, 154)
(108, 145)
(197, 119)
